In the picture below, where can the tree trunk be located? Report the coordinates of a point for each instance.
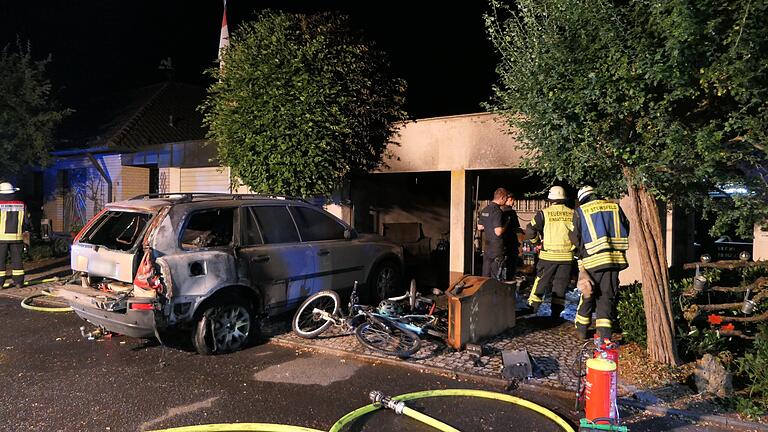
(646, 230)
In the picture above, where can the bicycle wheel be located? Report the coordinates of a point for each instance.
(385, 336)
(307, 322)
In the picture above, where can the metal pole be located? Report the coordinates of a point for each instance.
(474, 222)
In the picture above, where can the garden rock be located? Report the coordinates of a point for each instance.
(711, 377)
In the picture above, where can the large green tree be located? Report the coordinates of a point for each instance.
(28, 114)
(660, 100)
(301, 102)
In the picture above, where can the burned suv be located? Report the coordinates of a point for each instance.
(213, 265)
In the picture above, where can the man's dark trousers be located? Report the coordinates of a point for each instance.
(494, 267)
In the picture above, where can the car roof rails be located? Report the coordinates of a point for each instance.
(263, 196)
(190, 196)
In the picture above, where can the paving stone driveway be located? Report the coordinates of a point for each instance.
(553, 346)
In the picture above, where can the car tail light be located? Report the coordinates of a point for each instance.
(146, 278)
(88, 225)
(141, 306)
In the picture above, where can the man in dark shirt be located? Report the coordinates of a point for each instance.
(491, 221)
(511, 230)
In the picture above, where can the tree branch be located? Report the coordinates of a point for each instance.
(725, 264)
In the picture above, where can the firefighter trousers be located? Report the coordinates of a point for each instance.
(17, 268)
(554, 276)
(602, 303)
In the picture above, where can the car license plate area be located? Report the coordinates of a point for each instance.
(101, 267)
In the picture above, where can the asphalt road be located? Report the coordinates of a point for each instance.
(51, 379)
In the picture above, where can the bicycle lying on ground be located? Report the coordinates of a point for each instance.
(386, 329)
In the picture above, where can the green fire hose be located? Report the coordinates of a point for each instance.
(380, 401)
(460, 393)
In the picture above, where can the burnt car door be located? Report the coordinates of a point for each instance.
(208, 262)
(279, 265)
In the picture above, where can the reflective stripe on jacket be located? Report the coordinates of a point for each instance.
(557, 221)
(12, 216)
(604, 235)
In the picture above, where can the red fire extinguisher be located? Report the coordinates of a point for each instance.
(601, 384)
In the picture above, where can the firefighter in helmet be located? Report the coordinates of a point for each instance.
(551, 227)
(14, 221)
(601, 236)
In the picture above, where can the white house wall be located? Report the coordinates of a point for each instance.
(209, 179)
(471, 141)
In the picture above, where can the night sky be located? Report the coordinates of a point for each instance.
(99, 46)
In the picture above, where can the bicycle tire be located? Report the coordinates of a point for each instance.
(309, 325)
(436, 333)
(385, 336)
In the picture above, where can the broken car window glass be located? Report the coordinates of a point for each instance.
(209, 228)
(117, 230)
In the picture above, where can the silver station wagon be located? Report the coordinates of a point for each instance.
(213, 265)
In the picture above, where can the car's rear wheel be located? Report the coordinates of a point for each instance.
(384, 280)
(224, 326)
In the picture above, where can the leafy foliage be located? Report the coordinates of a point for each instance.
(671, 94)
(301, 102)
(754, 365)
(28, 116)
(631, 315)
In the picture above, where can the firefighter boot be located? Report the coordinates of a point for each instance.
(581, 332)
(604, 333)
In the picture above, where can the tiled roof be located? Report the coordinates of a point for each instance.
(156, 114)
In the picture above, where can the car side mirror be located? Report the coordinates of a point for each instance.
(350, 234)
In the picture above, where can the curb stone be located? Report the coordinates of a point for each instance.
(709, 418)
(504, 384)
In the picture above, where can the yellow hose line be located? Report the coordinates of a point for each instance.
(350, 417)
(437, 424)
(34, 282)
(26, 304)
(232, 427)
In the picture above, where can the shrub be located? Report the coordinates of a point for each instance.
(754, 368)
(697, 342)
(631, 314)
(39, 251)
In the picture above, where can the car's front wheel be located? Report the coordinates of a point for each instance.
(384, 280)
(224, 326)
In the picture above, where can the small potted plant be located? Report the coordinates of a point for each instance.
(74, 229)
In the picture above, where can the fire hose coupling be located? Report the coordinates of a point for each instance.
(380, 399)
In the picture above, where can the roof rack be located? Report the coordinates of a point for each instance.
(189, 196)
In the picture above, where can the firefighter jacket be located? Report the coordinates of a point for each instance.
(14, 220)
(601, 235)
(552, 227)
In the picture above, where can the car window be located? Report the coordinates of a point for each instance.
(208, 228)
(315, 225)
(276, 224)
(118, 230)
(252, 234)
